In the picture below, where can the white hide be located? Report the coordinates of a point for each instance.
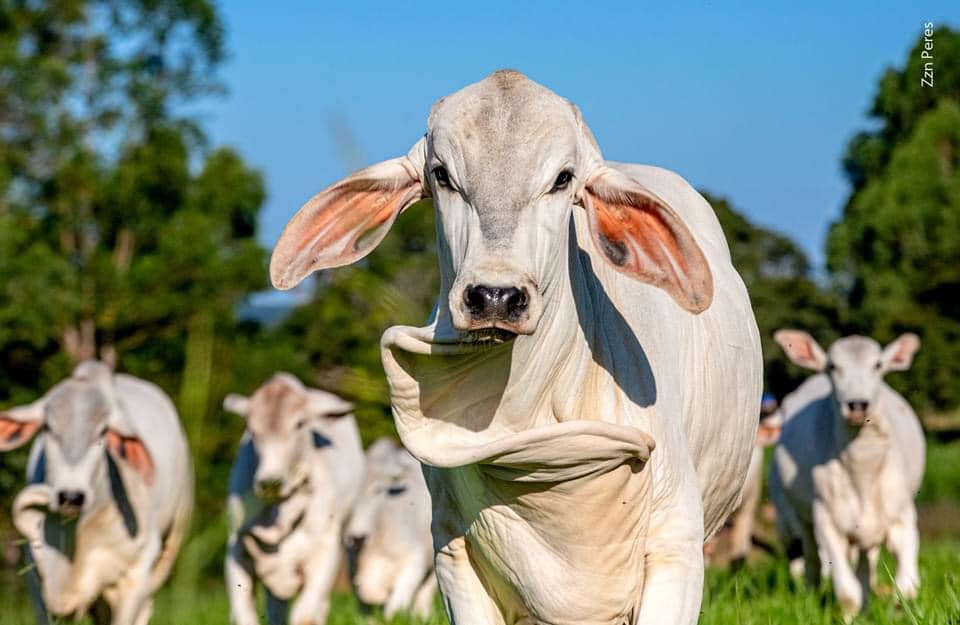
(575, 468)
(291, 542)
(842, 490)
(390, 526)
(124, 542)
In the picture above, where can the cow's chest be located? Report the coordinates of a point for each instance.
(558, 552)
(280, 567)
(857, 506)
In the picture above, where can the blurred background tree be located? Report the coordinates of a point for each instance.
(782, 289)
(895, 252)
(123, 235)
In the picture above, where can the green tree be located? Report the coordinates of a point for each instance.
(894, 252)
(123, 235)
(783, 293)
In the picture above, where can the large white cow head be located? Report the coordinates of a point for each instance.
(80, 418)
(505, 161)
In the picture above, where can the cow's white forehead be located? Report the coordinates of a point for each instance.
(855, 349)
(76, 412)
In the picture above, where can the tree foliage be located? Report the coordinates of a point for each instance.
(783, 293)
(122, 234)
(895, 252)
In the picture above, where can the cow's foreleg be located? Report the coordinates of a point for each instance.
(904, 541)
(465, 598)
(423, 601)
(135, 589)
(239, 579)
(313, 604)
(836, 550)
(405, 586)
(673, 583)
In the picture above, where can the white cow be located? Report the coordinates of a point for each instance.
(848, 465)
(292, 485)
(109, 497)
(588, 311)
(389, 531)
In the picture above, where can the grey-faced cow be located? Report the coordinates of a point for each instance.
(587, 312)
(848, 464)
(298, 470)
(109, 497)
(389, 530)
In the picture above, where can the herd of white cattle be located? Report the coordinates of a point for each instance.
(579, 415)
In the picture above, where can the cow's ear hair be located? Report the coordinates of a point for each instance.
(346, 221)
(237, 404)
(641, 236)
(898, 355)
(18, 425)
(802, 349)
(131, 450)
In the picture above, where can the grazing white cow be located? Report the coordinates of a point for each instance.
(588, 311)
(292, 485)
(389, 531)
(849, 464)
(109, 497)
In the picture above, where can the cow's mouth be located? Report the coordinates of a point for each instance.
(490, 335)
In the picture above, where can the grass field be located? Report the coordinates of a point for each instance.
(761, 593)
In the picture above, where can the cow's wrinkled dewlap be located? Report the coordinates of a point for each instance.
(556, 514)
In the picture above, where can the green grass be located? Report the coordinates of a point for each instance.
(760, 594)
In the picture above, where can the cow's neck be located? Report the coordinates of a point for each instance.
(863, 452)
(563, 358)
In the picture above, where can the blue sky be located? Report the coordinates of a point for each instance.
(744, 100)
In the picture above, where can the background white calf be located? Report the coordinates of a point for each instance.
(849, 463)
(292, 485)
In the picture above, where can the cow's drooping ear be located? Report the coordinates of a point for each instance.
(346, 221)
(644, 238)
(18, 425)
(327, 404)
(237, 404)
(801, 349)
(898, 355)
(131, 450)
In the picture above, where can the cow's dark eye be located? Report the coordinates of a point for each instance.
(440, 173)
(832, 368)
(562, 181)
(878, 365)
(301, 423)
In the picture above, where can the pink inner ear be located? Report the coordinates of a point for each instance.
(14, 433)
(644, 239)
(339, 226)
(132, 451)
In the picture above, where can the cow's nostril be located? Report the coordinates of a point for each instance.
(355, 542)
(497, 303)
(476, 299)
(70, 498)
(270, 486)
(516, 300)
